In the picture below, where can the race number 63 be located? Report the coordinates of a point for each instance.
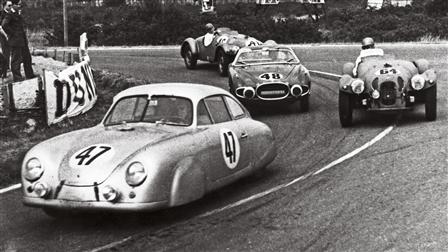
(230, 147)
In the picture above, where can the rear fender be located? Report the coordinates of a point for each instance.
(188, 182)
(348, 68)
(191, 43)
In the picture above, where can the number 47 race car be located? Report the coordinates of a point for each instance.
(383, 83)
(158, 146)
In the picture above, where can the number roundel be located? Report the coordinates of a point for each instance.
(91, 155)
(271, 76)
(230, 147)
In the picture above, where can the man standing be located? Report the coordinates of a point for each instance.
(18, 42)
(4, 61)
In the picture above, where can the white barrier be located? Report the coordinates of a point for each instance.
(70, 93)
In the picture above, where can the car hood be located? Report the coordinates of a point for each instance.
(87, 157)
(287, 73)
(386, 71)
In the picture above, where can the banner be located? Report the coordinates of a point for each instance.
(70, 93)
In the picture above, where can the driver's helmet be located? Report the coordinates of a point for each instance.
(209, 28)
(368, 43)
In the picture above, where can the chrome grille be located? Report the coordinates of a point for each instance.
(272, 91)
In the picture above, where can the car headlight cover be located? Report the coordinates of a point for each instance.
(135, 174)
(357, 86)
(33, 169)
(418, 82)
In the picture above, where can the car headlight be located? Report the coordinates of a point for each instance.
(417, 82)
(357, 86)
(33, 169)
(135, 174)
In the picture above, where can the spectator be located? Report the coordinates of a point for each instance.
(14, 26)
(6, 51)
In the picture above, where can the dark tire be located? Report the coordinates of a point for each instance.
(223, 63)
(345, 109)
(190, 59)
(231, 87)
(305, 103)
(431, 103)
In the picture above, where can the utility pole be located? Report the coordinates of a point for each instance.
(64, 14)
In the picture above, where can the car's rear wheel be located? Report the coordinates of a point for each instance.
(190, 59)
(223, 63)
(431, 103)
(345, 109)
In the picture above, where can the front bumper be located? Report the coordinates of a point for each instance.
(93, 205)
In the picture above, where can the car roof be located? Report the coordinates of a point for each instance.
(193, 91)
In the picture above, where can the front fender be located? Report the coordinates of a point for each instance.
(229, 49)
(188, 182)
(344, 84)
(430, 78)
(189, 43)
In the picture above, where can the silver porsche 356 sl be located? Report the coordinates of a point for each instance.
(383, 83)
(270, 74)
(158, 146)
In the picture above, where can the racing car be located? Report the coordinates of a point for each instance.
(158, 146)
(219, 46)
(270, 74)
(383, 83)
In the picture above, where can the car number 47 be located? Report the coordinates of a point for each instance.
(91, 153)
(230, 147)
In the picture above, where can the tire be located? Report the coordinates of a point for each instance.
(431, 103)
(305, 103)
(190, 59)
(223, 63)
(345, 109)
(231, 87)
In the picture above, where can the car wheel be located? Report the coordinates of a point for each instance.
(431, 103)
(190, 59)
(345, 109)
(305, 103)
(231, 87)
(223, 63)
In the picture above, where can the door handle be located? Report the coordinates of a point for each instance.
(244, 135)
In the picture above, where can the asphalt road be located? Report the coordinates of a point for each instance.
(390, 197)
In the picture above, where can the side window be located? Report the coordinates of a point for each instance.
(235, 109)
(218, 109)
(203, 116)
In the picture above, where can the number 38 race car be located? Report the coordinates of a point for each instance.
(158, 146)
(270, 74)
(383, 83)
(219, 46)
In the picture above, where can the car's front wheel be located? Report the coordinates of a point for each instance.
(345, 109)
(431, 103)
(223, 63)
(190, 59)
(305, 103)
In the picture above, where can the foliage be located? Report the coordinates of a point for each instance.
(152, 24)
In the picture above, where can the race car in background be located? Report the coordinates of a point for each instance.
(270, 74)
(158, 146)
(220, 47)
(383, 83)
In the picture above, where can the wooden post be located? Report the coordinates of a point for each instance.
(64, 12)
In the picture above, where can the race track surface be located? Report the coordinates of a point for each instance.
(391, 196)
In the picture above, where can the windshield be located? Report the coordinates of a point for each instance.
(171, 110)
(266, 56)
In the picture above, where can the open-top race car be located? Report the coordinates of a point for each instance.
(383, 83)
(158, 146)
(270, 74)
(220, 45)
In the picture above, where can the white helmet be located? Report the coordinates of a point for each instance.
(368, 43)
